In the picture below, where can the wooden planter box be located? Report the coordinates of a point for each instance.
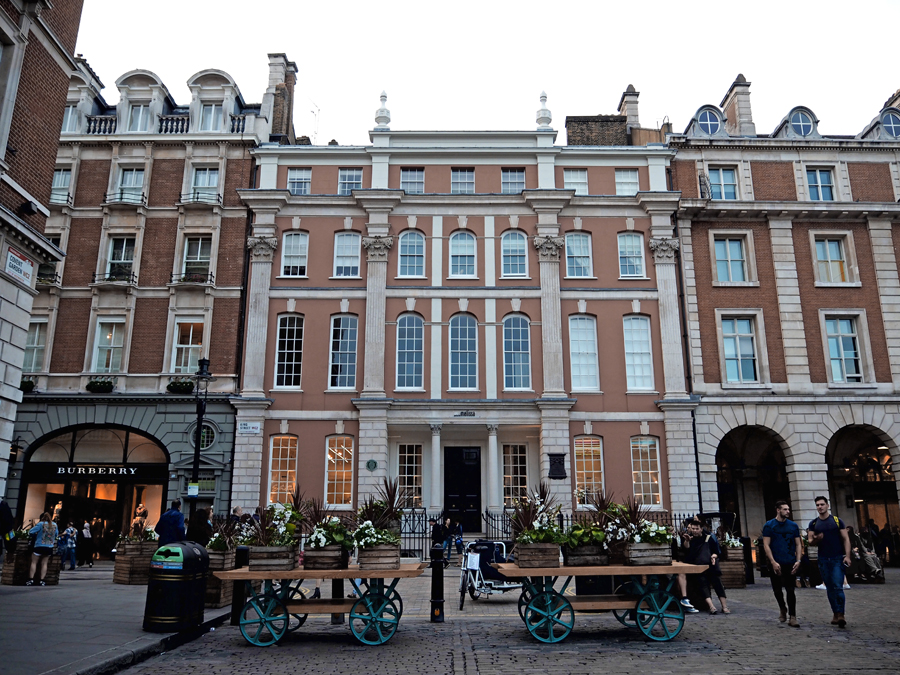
(381, 557)
(17, 565)
(136, 548)
(733, 573)
(132, 566)
(273, 558)
(537, 555)
(585, 556)
(333, 557)
(648, 554)
(218, 592)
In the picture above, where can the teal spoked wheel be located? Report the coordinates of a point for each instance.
(374, 619)
(264, 620)
(524, 599)
(626, 617)
(394, 597)
(549, 617)
(296, 620)
(659, 615)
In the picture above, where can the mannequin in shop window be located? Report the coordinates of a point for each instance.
(56, 510)
(140, 520)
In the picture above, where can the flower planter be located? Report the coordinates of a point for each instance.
(219, 593)
(585, 556)
(733, 573)
(273, 558)
(648, 554)
(132, 565)
(380, 557)
(17, 565)
(180, 387)
(332, 557)
(99, 387)
(537, 555)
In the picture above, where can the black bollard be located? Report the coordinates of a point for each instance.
(437, 584)
(337, 592)
(239, 591)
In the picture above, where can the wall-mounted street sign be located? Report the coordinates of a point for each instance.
(249, 428)
(465, 413)
(19, 266)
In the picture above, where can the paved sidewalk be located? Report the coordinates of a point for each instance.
(85, 626)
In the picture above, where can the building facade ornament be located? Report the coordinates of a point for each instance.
(492, 429)
(262, 248)
(663, 249)
(377, 248)
(436, 429)
(548, 248)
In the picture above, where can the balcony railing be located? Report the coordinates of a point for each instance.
(116, 274)
(47, 278)
(101, 124)
(126, 196)
(201, 196)
(174, 124)
(238, 124)
(63, 198)
(193, 278)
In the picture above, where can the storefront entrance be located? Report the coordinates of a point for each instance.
(462, 487)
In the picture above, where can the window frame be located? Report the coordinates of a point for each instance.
(204, 192)
(198, 259)
(573, 257)
(864, 346)
(410, 474)
(721, 182)
(302, 182)
(819, 170)
(580, 186)
(57, 191)
(296, 364)
(511, 491)
(95, 350)
(637, 182)
(348, 463)
(757, 316)
(401, 255)
(848, 247)
(134, 193)
(506, 236)
(507, 186)
(454, 238)
(421, 326)
(70, 119)
(582, 484)
(290, 473)
(749, 251)
(287, 254)
(29, 366)
(354, 363)
(650, 470)
(110, 262)
(643, 258)
(527, 385)
(595, 366)
(412, 177)
(629, 385)
(217, 114)
(705, 120)
(346, 234)
(455, 183)
(346, 186)
(143, 121)
(190, 368)
(471, 361)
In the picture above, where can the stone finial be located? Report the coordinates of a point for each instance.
(544, 117)
(383, 115)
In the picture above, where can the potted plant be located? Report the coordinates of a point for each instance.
(379, 549)
(99, 386)
(731, 562)
(585, 542)
(271, 538)
(536, 530)
(180, 387)
(221, 550)
(328, 546)
(27, 386)
(386, 510)
(133, 554)
(647, 542)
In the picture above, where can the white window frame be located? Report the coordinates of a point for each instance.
(62, 181)
(521, 239)
(510, 183)
(571, 257)
(819, 170)
(412, 180)
(141, 123)
(178, 349)
(628, 182)
(515, 486)
(197, 258)
(466, 186)
(632, 384)
(710, 120)
(202, 189)
(579, 467)
(576, 179)
(401, 341)
(757, 316)
(213, 120)
(348, 462)
(296, 365)
(653, 467)
(118, 322)
(403, 255)
(352, 356)
(349, 179)
(591, 364)
(289, 455)
(70, 120)
(111, 247)
(721, 182)
(848, 248)
(347, 255)
(36, 344)
(749, 252)
(470, 357)
(455, 238)
(295, 253)
(509, 357)
(128, 190)
(410, 466)
(623, 236)
(864, 345)
(299, 180)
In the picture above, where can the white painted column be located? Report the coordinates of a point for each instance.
(490, 347)
(376, 282)
(793, 333)
(437, 260)
(436, 342)
(693, 309)
(548, 248)
(888, 289)
(669, 316)
(494, 470)
(437, 496)
(490, 260)
(262, 251)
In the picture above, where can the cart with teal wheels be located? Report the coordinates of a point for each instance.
(646, 601)
(280, 606)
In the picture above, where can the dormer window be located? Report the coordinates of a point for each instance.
(211, 117)
(70, 120)
(891, 124)
(709, 122)
(802, 123)
(139, 118)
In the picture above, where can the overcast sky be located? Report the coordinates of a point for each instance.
(482, 65)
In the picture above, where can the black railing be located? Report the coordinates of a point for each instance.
(193, 278)
(48, 278)
(116, 275)
(126, 196)
(201, 197)
(61, 198)
(497, 526)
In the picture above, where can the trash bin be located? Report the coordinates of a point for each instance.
(176, 588)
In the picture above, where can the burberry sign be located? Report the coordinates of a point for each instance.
(97, 470)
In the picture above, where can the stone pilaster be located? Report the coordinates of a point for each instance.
(262, 252)
(494, 470)
(695, 350)
(664, 250)
(548, 248)
(373, 445)
(888, 289)
(377, 249)
(680, 458)
(555, 439)
(793, 333)
(808, 480)
(247, 483)
(436, 484)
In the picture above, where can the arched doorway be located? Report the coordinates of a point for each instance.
(751, 477)
(861, 477)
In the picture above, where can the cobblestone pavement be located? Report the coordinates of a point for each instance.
(487, 637)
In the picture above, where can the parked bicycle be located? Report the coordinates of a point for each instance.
(477, 577)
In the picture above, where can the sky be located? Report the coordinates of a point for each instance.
(483, 65)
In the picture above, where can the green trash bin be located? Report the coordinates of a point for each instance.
(176, 590)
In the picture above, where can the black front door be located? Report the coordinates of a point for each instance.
(462, 487)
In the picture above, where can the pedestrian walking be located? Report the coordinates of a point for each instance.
(85, 545)
(703, 549)
(170, 527)
(830, 534)
(781, 541)
(45, 533)
(68, 544)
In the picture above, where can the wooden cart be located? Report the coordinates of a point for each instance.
(281, 607)
(645, 601)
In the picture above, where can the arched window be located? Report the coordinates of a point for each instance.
(462, 254)
(516, 353)
(339, 471)
(294, 253)
(410, 351)
(412, 254)
(588, 468)
(463, 352)
(638, 358)
(282, 468)
(513, 250)
(289, 351)
(631, 255)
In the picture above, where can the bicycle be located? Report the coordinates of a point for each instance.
(477, 577)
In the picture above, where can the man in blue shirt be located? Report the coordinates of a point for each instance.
(171, 525)
(830, 534)
(781, 540)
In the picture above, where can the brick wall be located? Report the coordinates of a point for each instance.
(64, 20)
(710, 298)
(12, 200)
(223, 341)
(158, 250)
(10, 10)
(165, 182)
(73, 318)
(773, 181)
(597, 130)
(93, 180)
(870, 182)
(82, 251)
(237, 176)
(283, 108)
(684, 178)
(148, 341)
(866, 297)
(230, 263)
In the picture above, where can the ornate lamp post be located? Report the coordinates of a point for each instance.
(202, 379)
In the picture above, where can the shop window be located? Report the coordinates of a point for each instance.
(515, 474)
(588, 467)
(410, 474)
(339, 471)
(282, 468)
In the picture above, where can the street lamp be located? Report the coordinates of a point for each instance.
(202, 379)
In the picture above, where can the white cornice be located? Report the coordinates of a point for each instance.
(704, 209)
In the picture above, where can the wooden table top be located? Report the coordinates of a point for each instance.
(406, 571)
(514, 571)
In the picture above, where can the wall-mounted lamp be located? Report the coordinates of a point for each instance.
(28, 208)
(14, 449)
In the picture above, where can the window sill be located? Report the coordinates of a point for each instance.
(852, 385)
(737, 284)
(295, 390)
(412, 277)
(342, 391)
(342, 278)
(420, 390)
(838, 284)
(462, 391)
(459, 278)
(291, 276)
(583, 392)
(519, 391)
(641, 391)
(746, 385)
(502, 278)
(582, 278)
(621, 278)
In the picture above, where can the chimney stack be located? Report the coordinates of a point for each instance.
(628, 106)
(736, 106)
(278, 101)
